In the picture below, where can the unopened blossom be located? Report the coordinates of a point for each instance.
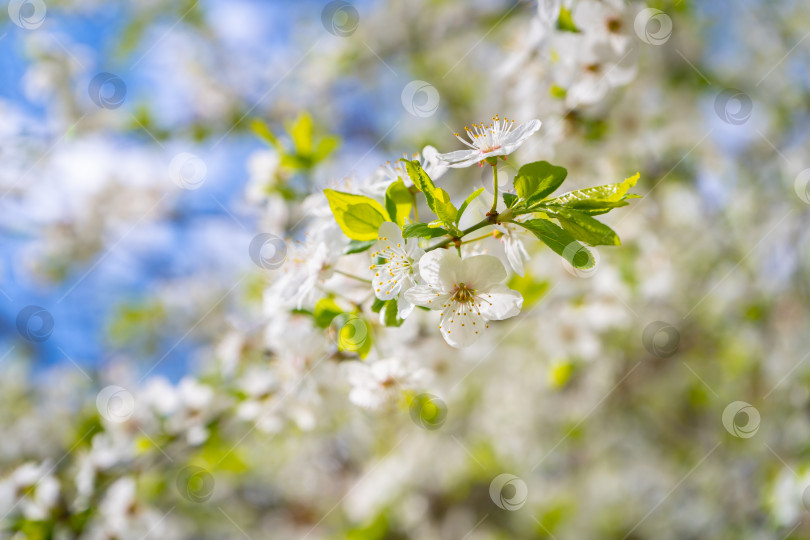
(468, 292)
(499, 138)
(396, 274)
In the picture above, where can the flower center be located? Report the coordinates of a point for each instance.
(614, 25)
(462, 294)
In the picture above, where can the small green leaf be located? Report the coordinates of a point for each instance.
(585, 228)
(535, 181)
(377, 305)
(510, 199)
(325, 311)
(422, 230)
(560, 241)
(398, 202)
(356, 246)
(593, 197)
(263, 130)
(565, 22)
(390, 315)
(359, 217)
(301, 133)
(467, 202)
(437, 199)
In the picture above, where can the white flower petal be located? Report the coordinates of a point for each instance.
(429, 266)
(451, 270)
(517, 137)
(499, 303)
(457, 156)
(461, 326)
(482, 272)
(426, 296)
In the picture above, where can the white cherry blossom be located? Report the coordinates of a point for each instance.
(500, 138)
(468, 292)
(396, 274)
(380, 383)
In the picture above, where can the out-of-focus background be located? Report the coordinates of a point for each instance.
(152, 385)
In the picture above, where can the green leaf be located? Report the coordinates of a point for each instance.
(398, 201)
(301, 133)
(510, 199)
(467, 202)
(596, 196)
(377, 305)
(535, 181)
(560, 241)
(390, 315)
(585, 228)
(437, 199)
(263, 131)
(325, 311)
(565, 22)
(422, 230)
(356, 246)
(359, 216)
(325, 147)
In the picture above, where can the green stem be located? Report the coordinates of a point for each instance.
(476, 239)
(494, 187)
(342, 273)
(480, 225)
